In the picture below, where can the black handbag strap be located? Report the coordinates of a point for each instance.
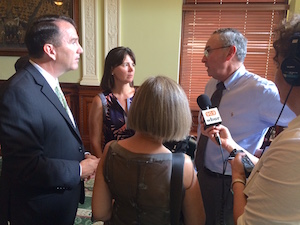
(176, 187)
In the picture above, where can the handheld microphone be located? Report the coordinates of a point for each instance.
(210, 115)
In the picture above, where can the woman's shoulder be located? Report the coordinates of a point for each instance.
(188, 172)
(105, 93)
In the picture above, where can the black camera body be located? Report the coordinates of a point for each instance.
(248, 164)
(233, 153)
(187, 146)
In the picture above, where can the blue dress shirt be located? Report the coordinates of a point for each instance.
(249, 106)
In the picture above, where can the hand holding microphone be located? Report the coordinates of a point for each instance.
(211, 116)
(211, 123)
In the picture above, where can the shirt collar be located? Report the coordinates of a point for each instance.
(52, 81)
(234, 77)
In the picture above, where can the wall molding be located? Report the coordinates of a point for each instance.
(90, 18)
(90, 42)
(111, 24)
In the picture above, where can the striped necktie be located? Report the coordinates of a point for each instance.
(63, 101)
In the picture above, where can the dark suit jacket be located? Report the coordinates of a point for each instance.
(40, 180)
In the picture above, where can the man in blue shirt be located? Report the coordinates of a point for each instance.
(250, 105)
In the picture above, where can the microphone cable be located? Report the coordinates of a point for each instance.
(268, 135)
(272, 129)
(222, 219)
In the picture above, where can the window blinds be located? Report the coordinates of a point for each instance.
(253, 18)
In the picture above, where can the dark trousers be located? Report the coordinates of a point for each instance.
(217, 197)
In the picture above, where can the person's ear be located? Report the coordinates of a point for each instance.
(231, 52)
(112, 71)
(50, 51)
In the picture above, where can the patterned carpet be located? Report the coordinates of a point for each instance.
(84, 211)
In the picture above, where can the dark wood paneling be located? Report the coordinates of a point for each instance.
(86, 95)
(80, 100)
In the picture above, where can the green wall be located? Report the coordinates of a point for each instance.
(7, 66)
(294, 7)
(151, 29)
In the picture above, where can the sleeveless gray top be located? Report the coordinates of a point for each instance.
(140, 186)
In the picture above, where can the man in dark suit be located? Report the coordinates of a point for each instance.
(44, 161)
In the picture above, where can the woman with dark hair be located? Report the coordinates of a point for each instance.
(108, 115)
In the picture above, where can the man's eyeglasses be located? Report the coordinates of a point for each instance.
(208, 50)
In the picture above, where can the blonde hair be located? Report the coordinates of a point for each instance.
(160, 109)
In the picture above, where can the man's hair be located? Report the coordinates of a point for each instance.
(230, 37)
(283, 34)
(114, 58)
(21, 62)
(161, 110)
(44, 30)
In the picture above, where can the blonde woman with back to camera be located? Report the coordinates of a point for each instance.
(132, 184)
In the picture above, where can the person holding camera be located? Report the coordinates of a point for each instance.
(271, 193)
